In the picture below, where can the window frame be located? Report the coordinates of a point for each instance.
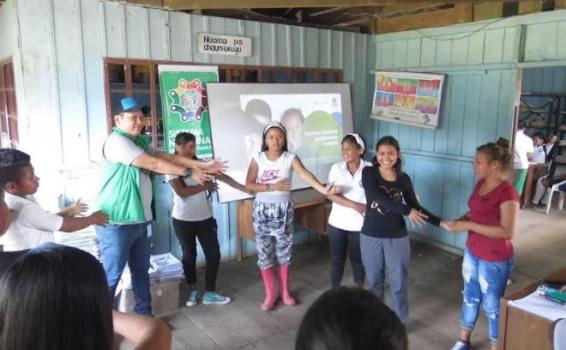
(227, 73)
(8, 104)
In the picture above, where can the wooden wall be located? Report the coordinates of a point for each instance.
(63, 45)
(480, 61)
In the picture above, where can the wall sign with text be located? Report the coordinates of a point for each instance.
(228, 45)
(407, 98)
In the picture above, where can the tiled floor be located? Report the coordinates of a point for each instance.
(434, 293)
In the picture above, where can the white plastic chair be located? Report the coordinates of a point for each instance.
(551, 190)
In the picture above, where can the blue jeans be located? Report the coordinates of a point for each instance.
(121, 244)
(484, 283)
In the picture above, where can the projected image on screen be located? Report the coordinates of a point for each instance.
(316, 117)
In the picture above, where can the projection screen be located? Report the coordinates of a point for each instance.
(316, 117)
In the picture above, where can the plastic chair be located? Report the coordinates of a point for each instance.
(555, 188)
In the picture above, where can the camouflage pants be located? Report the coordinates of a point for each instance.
(273, 224)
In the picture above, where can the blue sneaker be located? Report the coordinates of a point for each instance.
(193, 298)
(461, 345)
(215, 298)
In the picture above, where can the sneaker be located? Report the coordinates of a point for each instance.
(461, 345)
(215, 298)
(193, 298)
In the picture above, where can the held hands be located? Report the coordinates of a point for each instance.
(333, 189)
(210, 186)
(201, 175)
(455, 225)
(360, 208)
(417, 218)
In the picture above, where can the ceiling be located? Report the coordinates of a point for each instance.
(365, 16)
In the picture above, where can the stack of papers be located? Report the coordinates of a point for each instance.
(168, 267)
(537, 304)
(82, 240)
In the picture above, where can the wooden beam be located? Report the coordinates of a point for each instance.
(231, 4)
(559, 4)
(324, 12)
(460, 13)
(488, 10)
(363, 21)
(145, 3)
(530, 6)
(395, 10)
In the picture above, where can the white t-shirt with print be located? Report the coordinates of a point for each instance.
(271, 172)
(342, 217)
(523, 145)
(120, 149)
(195, 207)
(31, 226)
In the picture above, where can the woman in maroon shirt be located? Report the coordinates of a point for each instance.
(488, 257)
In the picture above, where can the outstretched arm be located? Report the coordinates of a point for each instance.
(411, 199)
(231, 182)
(509, 212)
(146, 333)
(307, 176)
(75, 224)
(340, 199)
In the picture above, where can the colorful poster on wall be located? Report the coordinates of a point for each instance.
(407, 98)
(185, 104)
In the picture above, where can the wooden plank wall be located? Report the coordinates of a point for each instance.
(480, 62)
(64, 43)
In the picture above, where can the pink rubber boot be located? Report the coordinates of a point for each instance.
(284, 286)
(268, 277)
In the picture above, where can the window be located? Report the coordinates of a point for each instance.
(8, 107)
(139, 78)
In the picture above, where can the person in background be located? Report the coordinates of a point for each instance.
(55, 298)
(31, 225)
(192, 219)
(350, 319)
(269, 176)
(540, 151)
(488, 256)
(556, 174)
(126, 195)
(348, 209)
(522, 152)
(384, 239)
(550, 149)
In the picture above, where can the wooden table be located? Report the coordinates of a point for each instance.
(311, 212)
(521, 330)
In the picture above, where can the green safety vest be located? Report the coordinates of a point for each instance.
(120, 194)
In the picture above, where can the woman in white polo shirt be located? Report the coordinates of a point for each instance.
(348, 208)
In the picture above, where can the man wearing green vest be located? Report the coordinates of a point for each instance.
(126, 195)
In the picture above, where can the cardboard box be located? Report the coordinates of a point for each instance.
(164, 298)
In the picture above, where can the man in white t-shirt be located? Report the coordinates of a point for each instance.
(522, 151)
